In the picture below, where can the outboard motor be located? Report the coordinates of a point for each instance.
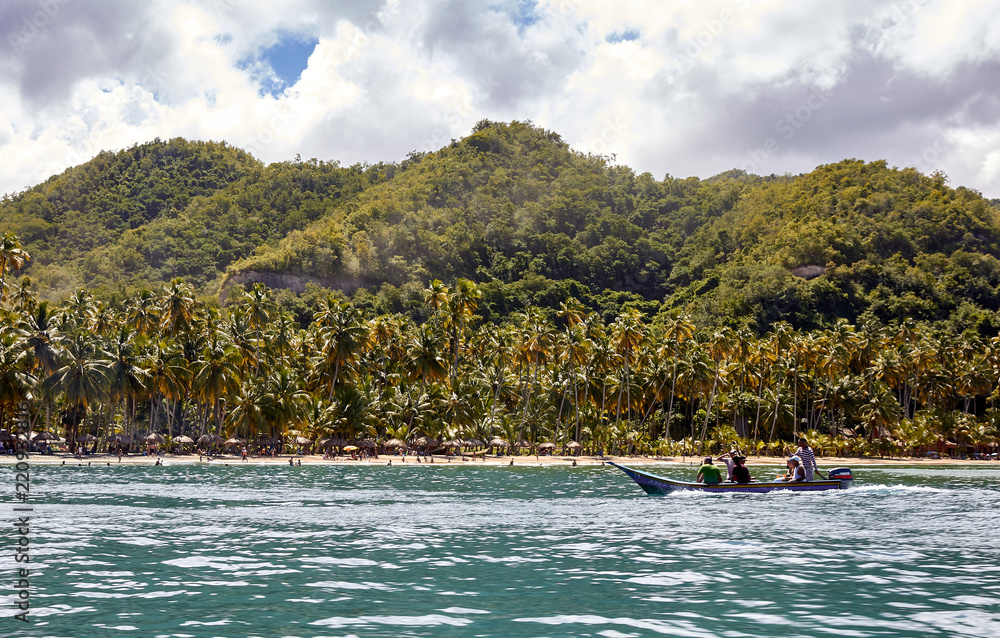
(842, 474)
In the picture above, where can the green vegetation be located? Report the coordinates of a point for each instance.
(532, 222)
(161, 210)
(582, 301)
(167, 363)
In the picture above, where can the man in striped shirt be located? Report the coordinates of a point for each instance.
(808, 459)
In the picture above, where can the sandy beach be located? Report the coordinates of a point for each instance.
(468, 460)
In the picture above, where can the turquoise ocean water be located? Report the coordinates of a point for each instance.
(246, 550)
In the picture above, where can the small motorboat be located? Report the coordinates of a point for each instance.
(838, 479)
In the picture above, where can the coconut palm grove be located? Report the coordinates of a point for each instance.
(503, 287)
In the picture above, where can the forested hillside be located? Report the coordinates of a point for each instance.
(161, 210)
(532, 222)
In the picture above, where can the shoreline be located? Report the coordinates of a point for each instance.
(478, 461)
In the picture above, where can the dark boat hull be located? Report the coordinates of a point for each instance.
(653, 484)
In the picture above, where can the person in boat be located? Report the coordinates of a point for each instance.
(729, 459)
(740, 473)
(796, 473)
(709, 473)
(808, 459)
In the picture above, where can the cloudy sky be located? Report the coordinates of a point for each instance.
(666, 86)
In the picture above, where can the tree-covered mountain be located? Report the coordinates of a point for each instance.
(533, 223)
(166, 209)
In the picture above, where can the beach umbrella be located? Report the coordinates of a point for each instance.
(44, 436)
(499, 442)
(183, 439)
(153, 437)
(234, 441)
(547, 446)
(118, 438)
(350, 448)
(474, 443)
(425, 441)
(368, 443)
(209, 439)
(453, 443)
(393, 444)
(522, 443)
(573, 445)
(7, 436)
(301, 440)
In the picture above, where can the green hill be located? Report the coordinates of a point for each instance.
(533, 222)
(166, 209)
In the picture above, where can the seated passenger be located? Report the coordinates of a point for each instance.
(709, 473)
(740, 472)
(796, 473)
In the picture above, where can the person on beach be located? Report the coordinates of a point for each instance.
(808, 459)
(708, 473)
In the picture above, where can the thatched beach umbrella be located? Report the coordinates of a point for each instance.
(118, 438)
(522, 443)
(234, 441)
(474, 443)
(301, 440)
(153, 437)
(499, 442)
(183, 440)
(546, 446)
(44, 436)
(87, 437)
(425, 442)
(209, 439)
(393, 444)
(454, 443)
(368, 443)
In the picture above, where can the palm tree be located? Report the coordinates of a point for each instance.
(462, 302)
(126, 377)
(286, 402)
(12, 257)
(259, 309)
(169, 375)
(678, 330)
(178, 306)
(342, 338)
(15, 382)
(83, 380)
(216, 377)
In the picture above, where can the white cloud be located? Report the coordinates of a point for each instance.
(694, 88)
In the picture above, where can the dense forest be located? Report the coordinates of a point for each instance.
(503, 286)
(532, 222)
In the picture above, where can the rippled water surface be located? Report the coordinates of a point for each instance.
(193, 551)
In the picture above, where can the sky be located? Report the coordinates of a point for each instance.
(678, 87)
